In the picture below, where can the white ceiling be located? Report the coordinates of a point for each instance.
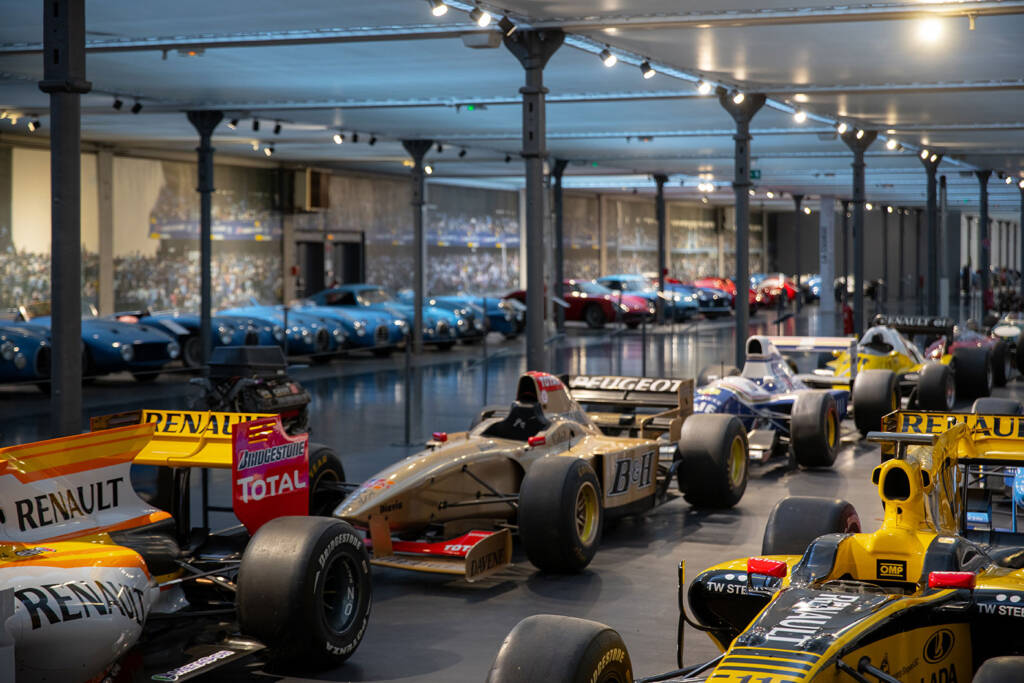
(394, 71)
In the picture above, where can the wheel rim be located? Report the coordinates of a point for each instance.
(737, 462)
(318, 497)
(587, 512)
(338, 598)
(830, 429)
(950, 392)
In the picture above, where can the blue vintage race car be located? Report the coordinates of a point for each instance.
(111, 346)
(678, 305)
(439, 325)
(24, 354)
(307, 335)
(226, 331)
(506, 316)
(367, 329)
(812, 288)
(779, 411)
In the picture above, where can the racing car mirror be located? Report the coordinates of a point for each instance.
(269, 472)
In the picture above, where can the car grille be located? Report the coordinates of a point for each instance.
(323, 340)
(380, 335)
(43, 361)
(443, 330)
(252, 338)
(150, 351)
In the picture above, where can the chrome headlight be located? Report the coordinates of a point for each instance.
(173, 349)
(360, 327)
(225, 335)
(20, 361)
(307, 336)
(479, 324)
(339, 333)
(624, 308)
(461, 322)
(127, 352)
(278, 332)
(7, 350)
(401, 324)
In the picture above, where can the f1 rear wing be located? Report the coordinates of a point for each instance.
(995, 438)
(916, 324)
(812, 344)
(644, 407)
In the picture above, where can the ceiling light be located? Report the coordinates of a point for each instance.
(860, 134)
(428, 169)
(372, 141)
(869, 206)
(842, 128)
(255, 124)
(799, 116)
(255, 145)
(703, 87)
(338, 138)
(438, 8)
(1021, 184)
(751, 193)
(233, 123)
(933, 158)
(481, 17)
(769, 194)
(507, 26)
(888, 209)
(137, 107)
(462, 153)
(704, 199)
(929, 30)
(647, 70)
(738, 98)
(924, 154)
(891, 144)
(607, 58)
(269, 151)
(800, 97)
(277, 128)
(807, 210)
(1009, 180)
(34, 125)
(118, 104)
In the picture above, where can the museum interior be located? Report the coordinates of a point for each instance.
(406, 341)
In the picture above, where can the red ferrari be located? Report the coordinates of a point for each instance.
(774, 286)
(754, 298)
(596, 305)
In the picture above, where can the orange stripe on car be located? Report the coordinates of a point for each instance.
(73, 454)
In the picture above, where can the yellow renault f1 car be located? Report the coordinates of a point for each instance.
(891, 367)
(934, 595)
(550, 470)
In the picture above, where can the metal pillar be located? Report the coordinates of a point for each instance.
(204, 123)
(899, 249)
(884, 293)
(64, 81)
(984, 243)
(659, 212)
(1020, 231)
(533, 49)
(798, 200)
(858, 142)
(931, 250)
(417, 149)
(846, 246)
(742, 113)
(916, 287)
(557, 169)
(105, 205)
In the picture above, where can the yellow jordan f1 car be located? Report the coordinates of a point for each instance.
(936, 594)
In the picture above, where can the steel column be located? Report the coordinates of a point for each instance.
(846, 248)
(105, 197)
(1020, 232)
(742, 113)
(659, 212)
(798, 200)
(984, 243)
(858, 142)
(916, 287)
(417, 149)
(205, 122)
(557, 169)
(885, 257)
(64, 81)
(899, 249)
(931, 165)
(533, 49)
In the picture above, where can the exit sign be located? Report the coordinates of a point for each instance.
(755, 174)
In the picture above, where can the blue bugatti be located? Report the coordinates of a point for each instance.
(24, 354)
(307, 335)
(226, 331)
(367, 329)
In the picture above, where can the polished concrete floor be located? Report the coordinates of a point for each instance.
(432, 628)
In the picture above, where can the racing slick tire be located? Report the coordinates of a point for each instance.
(796, 521)
(594, 317)
(714, 453)
(936, 388)
(814, 429)
(1000, 670)
(709, 373)
(974, 373)
(997, 406)
(876, 393)
(326, 475)
(561, 514)
(1001, 367)
(304, 589)
(558, 649)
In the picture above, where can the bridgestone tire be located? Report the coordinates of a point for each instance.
(710, 373)
(1001, 367)
(556, 649)
(814, 429)
(933, 387)
(997, 406)
(715, 460)
(325, 474)
(876, 393)
(561, 514)
(796, 521)
(304, 589)
(1000, 670)
(594, 317)
(973, 372)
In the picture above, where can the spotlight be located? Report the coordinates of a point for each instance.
(355, 137)
(842, 128)
(891, 144)
(607, 58)
(929, 30)
(704, 199)
(506, 26)
(277, 128)
(438, 8)
(481, 17)
(255, 124)
(933, 158)
(428, 169)
(1021, 184)
(508, 158)
(1009, 180)
(440, 148)
(860, 134)
(118, 104)
(888, 209)
(869, 206)
(703, 87)
(738, 98)
(799, 116)
(751, 193)
(137, 107)
(233, 123)
(769, 194)
(269, 151)
(372, 141)
(462, 153)
(807, 210)
(33, 125)
(255, 145)
(338, 138)
(647, 70)
(924, 153)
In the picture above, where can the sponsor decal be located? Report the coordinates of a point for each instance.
(913, 321)
(57, 603)
(947, 675)
(32, 552)
(191, 667)
(392, 506)
(276, 468)
(1004, 426)
(486, 562)
(625, 383)
(1004, 605)
(895, 570)
(266, 456)
(730, 584)
(630, 472)
(939, 645)
(194, 422)
(63, 505)
(545, 381)
(616, 654)
(807, 617)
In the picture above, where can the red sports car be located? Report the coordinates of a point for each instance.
(596, 305)
(773, 286)
(754, 298)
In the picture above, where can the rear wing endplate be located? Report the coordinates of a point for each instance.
(1004, 434)
(643, 406)
(812, 344)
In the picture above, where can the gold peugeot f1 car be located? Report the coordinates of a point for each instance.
(936, 594)
(550, 470)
